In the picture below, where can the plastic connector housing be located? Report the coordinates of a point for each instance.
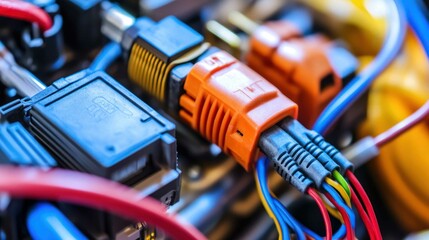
(45, 53)
(312, 140)
(299, 133)
(299, 67)
(281, 147)
(95, 125)
(231, 105)
(285, 166)
(155, 47)
(82, 23)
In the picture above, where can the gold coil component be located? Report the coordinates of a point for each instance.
(151, 73)
(147, 70)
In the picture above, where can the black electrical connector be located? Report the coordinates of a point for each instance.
(82, 23)
(43, 52)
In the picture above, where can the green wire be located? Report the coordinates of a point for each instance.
(340, 179)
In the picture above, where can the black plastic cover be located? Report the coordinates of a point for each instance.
(82, 23)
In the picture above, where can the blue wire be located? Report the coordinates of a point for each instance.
(338, 235)
(106, 57)
(45, 221)
(418, 22)
(261, 171)
(391, 47)
(278, 207)
(342, 204)
(288, 218)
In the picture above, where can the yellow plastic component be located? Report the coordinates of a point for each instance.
(402, 168)
(363, 21)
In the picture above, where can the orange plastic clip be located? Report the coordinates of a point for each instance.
(231, 105)
(298, 66)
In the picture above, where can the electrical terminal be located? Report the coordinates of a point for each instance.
(276, 143)
(298, 133)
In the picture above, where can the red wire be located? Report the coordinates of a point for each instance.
(368, 224)
(91, 191)
(366, 202)
(403, 126)
(346, 218)
(323, 210)
(25, 11)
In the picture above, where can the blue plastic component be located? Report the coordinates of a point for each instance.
(95, 125)
(108, 54)
(17, 146)
(45, 221)
(169, 38)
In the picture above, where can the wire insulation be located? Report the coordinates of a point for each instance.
(351, 92)
(264, 193)
(340, 179)
(366, 202)
(25, 11)
(340, 190)
(364, 216)
(91, 191)
(324, 211)
(292, 222)
(346, 212)
(418, 22)
(108, 54)
(403, 126)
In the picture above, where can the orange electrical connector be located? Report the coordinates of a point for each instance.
(298, 66)
(231, 105)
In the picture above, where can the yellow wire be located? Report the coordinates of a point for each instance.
(267, 208)
(340, 190)
(340, 179)
(334, 212)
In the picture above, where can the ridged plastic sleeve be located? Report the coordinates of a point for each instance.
(298, 132)
(276, 142)
(231, 105)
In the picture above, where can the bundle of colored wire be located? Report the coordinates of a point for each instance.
(91, 191)
(366, 202)
(324, 212)
(412, 120)
(267, 202)
(278, 213)
(108, 54)
(346, 193)
(391, 47)
(364, 216)
(25, 11)
(346, 212)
